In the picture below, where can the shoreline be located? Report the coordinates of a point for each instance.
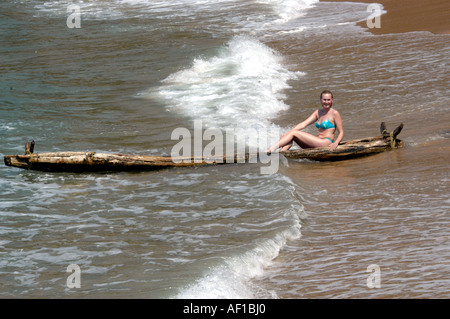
(409, 16)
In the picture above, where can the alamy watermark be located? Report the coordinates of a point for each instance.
(374, 20)
(374, 279)
(74, 279)
(234, 145)
(74, 18)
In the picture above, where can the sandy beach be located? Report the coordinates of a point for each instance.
(411, 15)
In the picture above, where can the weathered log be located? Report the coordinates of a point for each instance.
(345, 150)
(351, 149)
(92, 161)
(397, 131)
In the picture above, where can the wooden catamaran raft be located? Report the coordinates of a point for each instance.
(93, 161)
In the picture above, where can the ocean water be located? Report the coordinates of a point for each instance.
(122, 75)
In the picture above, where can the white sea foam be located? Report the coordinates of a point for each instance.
(289, 9)
(100, 9)
(240, 88)
(233, 278)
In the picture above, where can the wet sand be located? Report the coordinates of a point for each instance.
(411, 15)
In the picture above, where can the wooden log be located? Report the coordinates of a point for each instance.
(92, 161)
(397, 131)
(351, 149)
(345, 150)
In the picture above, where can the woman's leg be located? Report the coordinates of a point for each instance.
(306, 140)
(303, 139)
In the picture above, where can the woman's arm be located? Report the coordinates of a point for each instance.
(311, 119)
(340, 128)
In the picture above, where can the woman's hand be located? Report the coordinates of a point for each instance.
(333, 146)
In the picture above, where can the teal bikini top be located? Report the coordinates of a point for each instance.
(325, 124)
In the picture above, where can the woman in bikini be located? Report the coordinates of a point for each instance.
(327, 121)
